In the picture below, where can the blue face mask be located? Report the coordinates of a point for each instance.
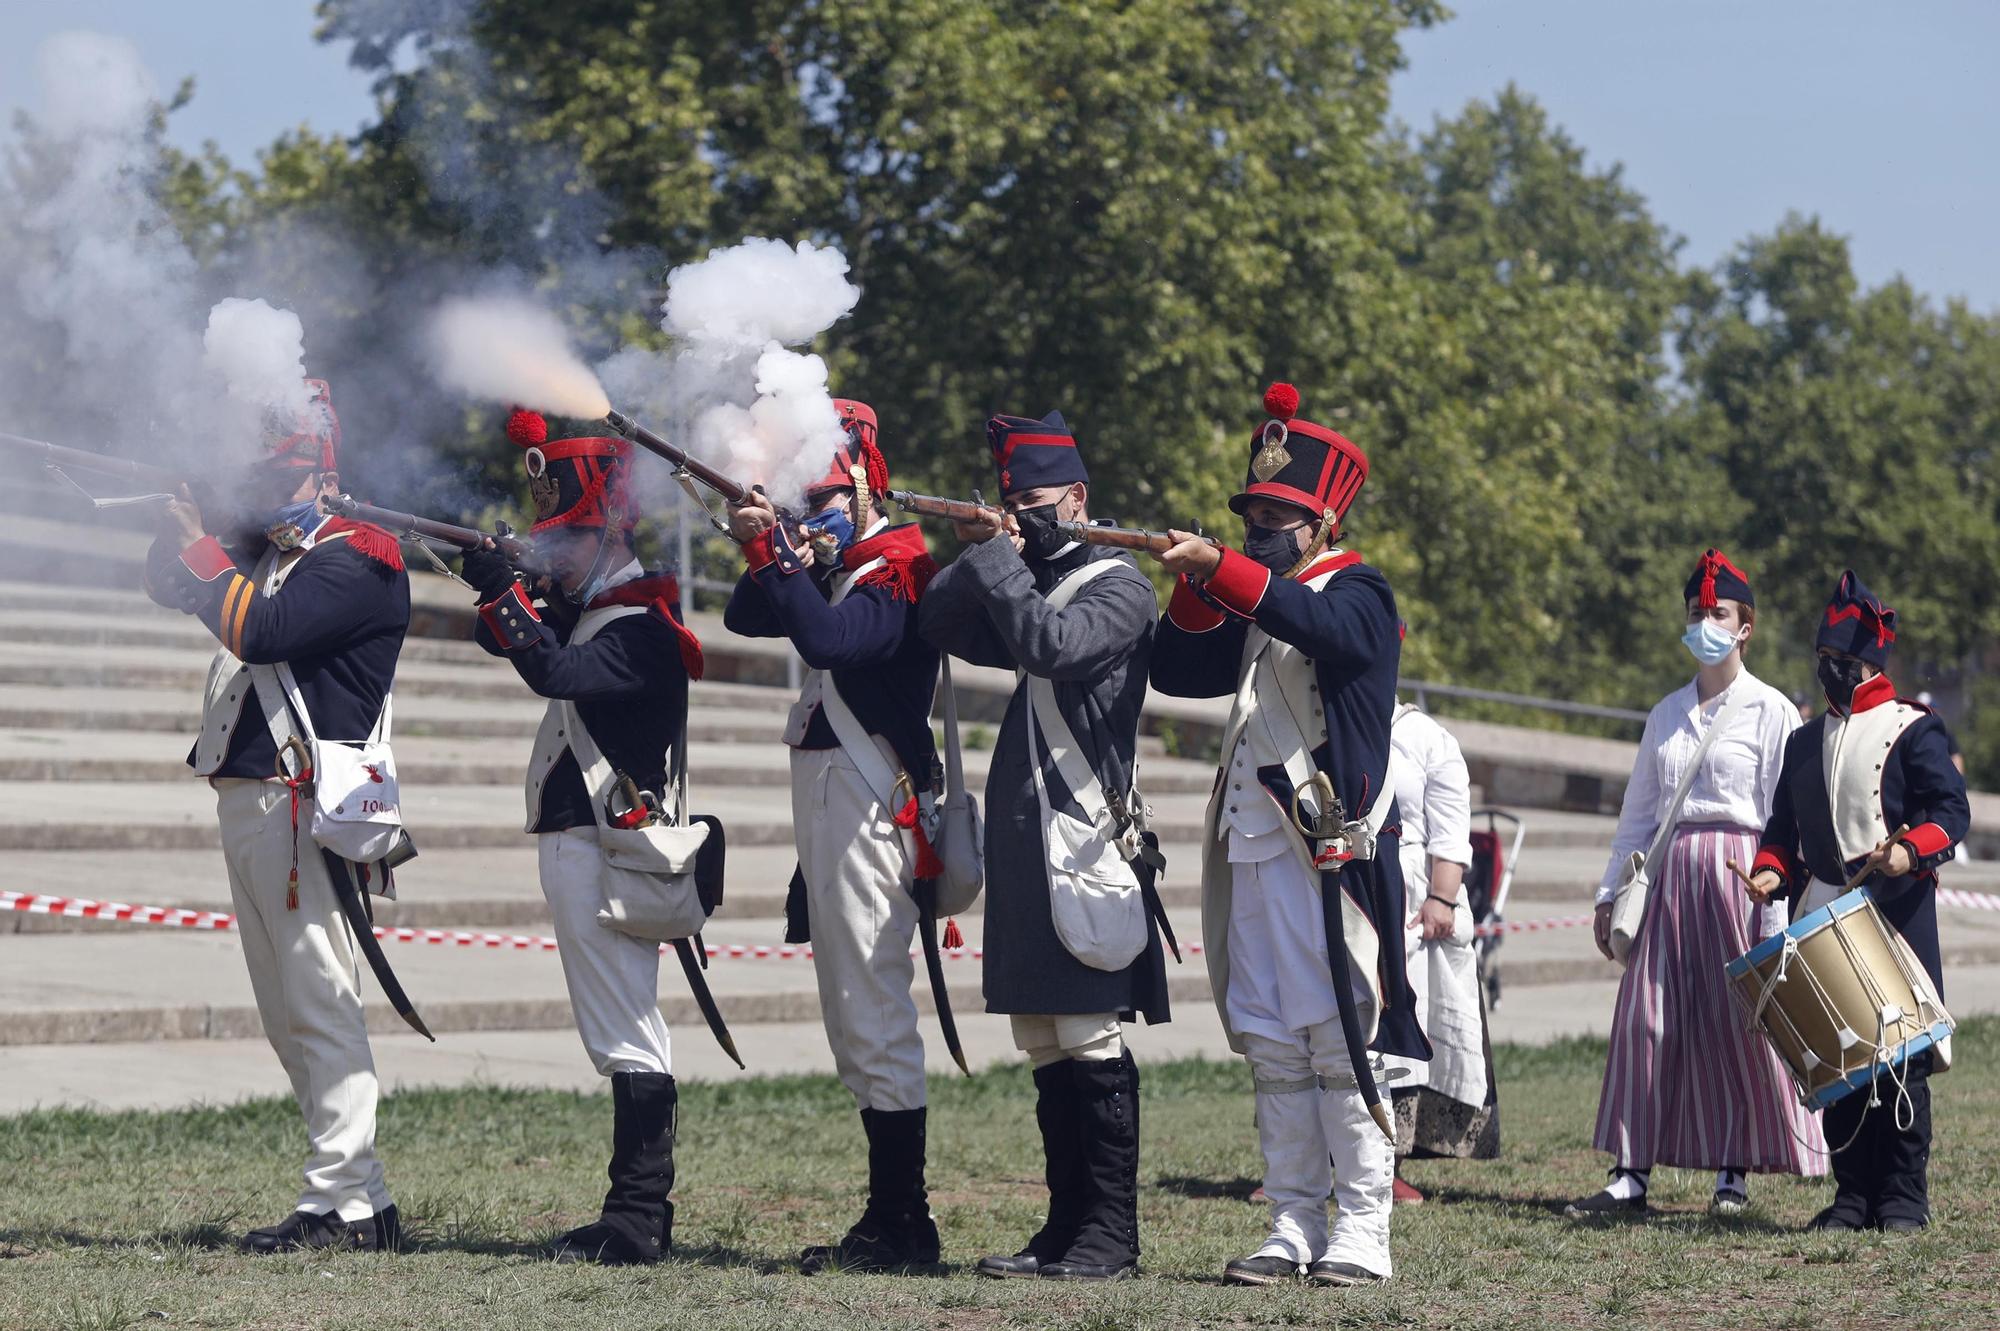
(1708, 641)
(831, 531)
(301, 518)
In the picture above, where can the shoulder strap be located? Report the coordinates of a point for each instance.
(590, 759)
(1045, 714)
(1673, 815)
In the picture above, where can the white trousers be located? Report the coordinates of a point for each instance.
(863, 921)
(304, 970)
(613, 978)
(1045, 1039)
(1309, 1114)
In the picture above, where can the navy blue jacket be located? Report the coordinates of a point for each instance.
(1350, 630)
(629, 682)
(338, 620)
(885, 672)
(1920, 789)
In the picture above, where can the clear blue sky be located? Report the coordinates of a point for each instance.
(1880, 118)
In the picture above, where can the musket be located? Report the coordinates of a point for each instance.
(61, 460)
(1125, 538)
(410, 527)
(936, 506)
(686, 464)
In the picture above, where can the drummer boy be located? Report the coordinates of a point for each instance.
(1869, 795)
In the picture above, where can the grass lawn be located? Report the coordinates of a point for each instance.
(123, 1220)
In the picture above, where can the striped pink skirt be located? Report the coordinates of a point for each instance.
(1686, 1085)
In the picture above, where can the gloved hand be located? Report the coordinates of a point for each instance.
(489, 573)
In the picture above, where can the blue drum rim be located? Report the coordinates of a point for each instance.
(1798, 928)
(1854, 1081)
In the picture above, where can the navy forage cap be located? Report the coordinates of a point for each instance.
(1030, 454)
(1857, 623)
(1714, 579)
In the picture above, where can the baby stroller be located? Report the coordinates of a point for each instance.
(1486, 885)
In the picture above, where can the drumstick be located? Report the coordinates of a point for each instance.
(1875, 857)
(1749, 887)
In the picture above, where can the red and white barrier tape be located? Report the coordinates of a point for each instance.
(83, 908)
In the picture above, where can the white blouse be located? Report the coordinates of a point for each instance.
(1738, 776)
(1433, 796)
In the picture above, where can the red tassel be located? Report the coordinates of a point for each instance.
(905, 578)
(377, 543)
(953, 939)
(928, 864)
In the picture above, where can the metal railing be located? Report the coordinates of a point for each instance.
(1420, 689)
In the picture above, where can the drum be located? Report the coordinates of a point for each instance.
(1841, 997)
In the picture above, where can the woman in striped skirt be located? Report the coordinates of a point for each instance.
(1686, 1085)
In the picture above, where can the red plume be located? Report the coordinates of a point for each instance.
(1282, 401)
(527, 428)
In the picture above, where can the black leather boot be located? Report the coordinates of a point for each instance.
(1062, 1154)
(305, 1231)
(1107, 1242)
(896, 1229)
(637, 1224)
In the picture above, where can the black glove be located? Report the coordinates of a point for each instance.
(489, 573)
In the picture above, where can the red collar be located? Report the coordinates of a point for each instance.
(895, 544)
(642, 590)
(1330, 562)
(1871, 694)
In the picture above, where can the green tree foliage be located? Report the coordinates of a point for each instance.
(1141, 211)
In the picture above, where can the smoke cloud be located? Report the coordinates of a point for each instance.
(260, 353)
(507, 349)
(729, 386)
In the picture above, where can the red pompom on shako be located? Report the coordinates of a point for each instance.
(527, 428)
(1300, 462)
(574, 482)
(1281, 401)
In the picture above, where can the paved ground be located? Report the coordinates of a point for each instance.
(154, 1075)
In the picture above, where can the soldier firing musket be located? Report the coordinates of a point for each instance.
(843, 586)
(623, 866)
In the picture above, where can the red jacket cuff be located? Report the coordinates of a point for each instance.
(1775, 858)
(1188, 612)
(511, 619)
(1926, 840)
(758, 550)
(1239, 583)
(207, 560)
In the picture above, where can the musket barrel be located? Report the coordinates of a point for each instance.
(103, 464)
(1124, 538)
(734, 491)
(937, 506)
(411, 527)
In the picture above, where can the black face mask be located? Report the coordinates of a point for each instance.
(1840, 676)
(1038, 530)
(1274, 549)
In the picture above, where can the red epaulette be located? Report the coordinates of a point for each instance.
(660, 593)
(907, 566)
(378, 543)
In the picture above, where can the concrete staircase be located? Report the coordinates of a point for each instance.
(98, 697)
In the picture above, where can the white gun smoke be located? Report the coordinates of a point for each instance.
(508, 349)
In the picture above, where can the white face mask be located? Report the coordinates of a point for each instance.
(1709, 642)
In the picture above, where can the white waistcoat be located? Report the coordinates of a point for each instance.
(1853, 751)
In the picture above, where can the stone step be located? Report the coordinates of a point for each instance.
(421, 760)
(103, 815)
